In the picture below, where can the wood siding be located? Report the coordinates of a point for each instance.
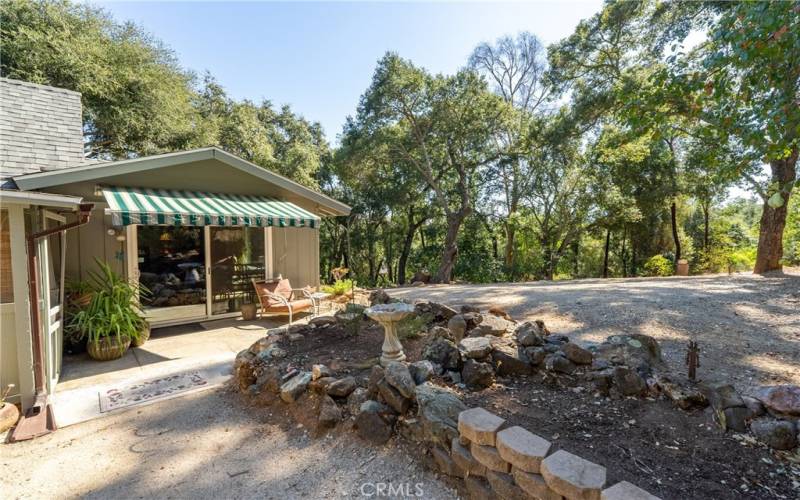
(91, 241)
(295, 255)
(6, 282)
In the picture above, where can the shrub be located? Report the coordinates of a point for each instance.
(657, 265)
(340, 287)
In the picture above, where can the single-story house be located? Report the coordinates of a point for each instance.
(193, 226)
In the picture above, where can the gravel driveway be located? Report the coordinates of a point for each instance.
(205, 445)
(748, 326)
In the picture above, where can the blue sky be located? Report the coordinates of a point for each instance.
(319, 57)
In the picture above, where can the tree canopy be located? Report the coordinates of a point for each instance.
(606, 153)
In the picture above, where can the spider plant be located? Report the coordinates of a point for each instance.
(114, 309)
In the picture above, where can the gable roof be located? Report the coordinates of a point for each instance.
(95, 171)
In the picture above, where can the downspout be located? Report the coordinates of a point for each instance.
(38, 419)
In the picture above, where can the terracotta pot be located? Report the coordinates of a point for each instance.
(9, 414)
(108, 348)
(144, 336)
(82, 300)
(249, 312)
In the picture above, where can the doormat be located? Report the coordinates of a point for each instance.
(150, 390)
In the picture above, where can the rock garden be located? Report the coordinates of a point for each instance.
(507, 409)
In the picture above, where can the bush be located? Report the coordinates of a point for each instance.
(340, 287)
(658, 265)
(741, 260)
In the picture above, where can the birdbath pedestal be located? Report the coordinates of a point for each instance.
(388, 315)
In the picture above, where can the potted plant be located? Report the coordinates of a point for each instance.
(113, 318)
(78, 295)
(144, 336)
(249, 311)
(9, 413)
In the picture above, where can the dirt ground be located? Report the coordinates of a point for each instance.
(204, 445)
(748, 327)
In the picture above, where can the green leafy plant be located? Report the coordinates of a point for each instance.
(411, 327)
(113, 310)
(339, 287)
(658, 265)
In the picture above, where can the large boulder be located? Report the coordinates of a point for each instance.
(559, 364)
(492, 325)
(421, 371)
(295, 386)
(628, 382)
(393, 398)
(329, 413)
(398, 376)
(441, 312)
(374, 422)
(477, 375)
(443, 352)
(781, 400)
(576, 353)
(457, 326)
(531, 333)
(509, 361)
(777, 434)
(356, 399)
(475, 347)
(438, 412)
(637, 351)
(341, 388)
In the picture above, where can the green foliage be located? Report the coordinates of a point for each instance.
(413, 326)
(339, 287)
(657, 265)
(113, 310)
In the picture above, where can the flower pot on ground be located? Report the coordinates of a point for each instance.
(108, 348)
(144, 336)
(113, 318)
(249, 312)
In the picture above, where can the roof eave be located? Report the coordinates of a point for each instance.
(95, 171)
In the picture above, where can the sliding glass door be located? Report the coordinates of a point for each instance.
(171, 264)
(197, 272)
(236, 257)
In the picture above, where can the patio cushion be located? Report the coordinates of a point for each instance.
(284, 289)
(297, 305)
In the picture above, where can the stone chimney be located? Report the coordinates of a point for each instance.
(41, 129)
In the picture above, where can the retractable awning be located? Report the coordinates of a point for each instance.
(192, 208)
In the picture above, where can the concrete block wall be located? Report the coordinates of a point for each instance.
(499, 461)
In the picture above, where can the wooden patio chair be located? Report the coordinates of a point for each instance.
(278, 296)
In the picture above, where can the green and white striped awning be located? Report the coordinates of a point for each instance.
(193, 208)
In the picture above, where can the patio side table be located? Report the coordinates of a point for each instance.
(316, 299)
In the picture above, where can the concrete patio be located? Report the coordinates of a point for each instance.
(207, 348)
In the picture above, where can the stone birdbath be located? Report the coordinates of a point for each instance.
(388, 315)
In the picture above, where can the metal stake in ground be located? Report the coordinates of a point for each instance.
(693, 359)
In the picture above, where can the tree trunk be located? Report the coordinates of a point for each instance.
(509, 252)
(773, 220)
(706, 210)
(624, 254)
(605, 254)
(450, 250)
(673, 210)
